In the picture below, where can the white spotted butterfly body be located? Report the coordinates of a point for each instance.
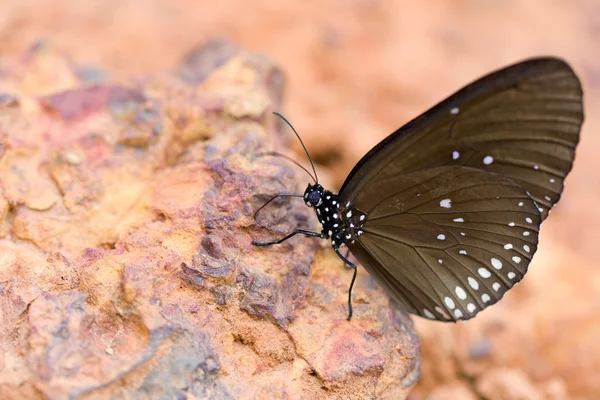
(340, 222)
(445, 212)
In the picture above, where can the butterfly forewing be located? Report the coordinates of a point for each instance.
(455, 198)
(521, 122)
(457, 238)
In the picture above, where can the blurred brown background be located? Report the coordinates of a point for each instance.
(358, 69)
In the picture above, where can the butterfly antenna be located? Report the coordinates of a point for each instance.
(276, 154)
(316, 178)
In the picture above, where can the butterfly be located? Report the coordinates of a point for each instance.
(445, 212)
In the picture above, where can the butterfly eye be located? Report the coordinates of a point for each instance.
(314, 198)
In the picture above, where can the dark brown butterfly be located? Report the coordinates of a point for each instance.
(445, 212)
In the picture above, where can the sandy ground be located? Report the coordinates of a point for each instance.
(358, 69)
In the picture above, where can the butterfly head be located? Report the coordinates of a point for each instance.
(313, 195)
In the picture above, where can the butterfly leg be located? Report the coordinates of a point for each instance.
(297, 231)
(353, 266)
(346, 256)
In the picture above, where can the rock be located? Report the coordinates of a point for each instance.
(126, 265)
(202, 60)
(452, 391)
(507, 384)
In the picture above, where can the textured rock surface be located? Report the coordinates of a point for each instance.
(126, 269)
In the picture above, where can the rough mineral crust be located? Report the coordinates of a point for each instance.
(126, 269)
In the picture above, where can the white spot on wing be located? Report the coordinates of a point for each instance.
(485, 297)
(526, 233)
(484, 272)
(511, 275)
(428, 314)
(446, 203)
(458, 220)
(526, 248)
(454, 110)
(449, 302)
(496, 263)
(460, 292)
(471, 308)
(516, 259)
(511, 224)
(455, 155)
(463, 252)
(441, 237)
(458, 313)
(496, 286)
(508, 246)
(487, 160)
(473, 283)
(529, 220)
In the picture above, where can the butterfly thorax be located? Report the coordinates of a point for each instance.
(340, 222)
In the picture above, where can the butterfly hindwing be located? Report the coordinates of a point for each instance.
(450, 241)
